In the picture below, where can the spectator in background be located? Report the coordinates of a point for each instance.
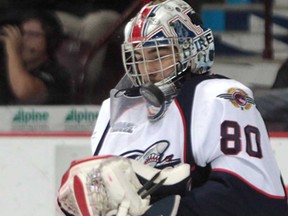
(29, 73)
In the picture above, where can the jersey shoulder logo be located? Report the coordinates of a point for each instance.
(238, 98)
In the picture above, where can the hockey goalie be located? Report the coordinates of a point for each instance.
(171, 118)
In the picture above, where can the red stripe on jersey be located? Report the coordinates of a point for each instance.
(140, 22)
(185, 132)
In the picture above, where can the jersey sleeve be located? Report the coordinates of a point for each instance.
(229, 135)
(101, 124)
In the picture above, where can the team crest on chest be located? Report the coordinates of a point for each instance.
(154, 155)
(238, 98)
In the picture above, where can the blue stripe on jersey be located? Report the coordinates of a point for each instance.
(226, 195)
(185, 99)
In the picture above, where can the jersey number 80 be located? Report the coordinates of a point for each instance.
(231, 139)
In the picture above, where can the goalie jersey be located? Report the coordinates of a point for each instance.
(213, 124)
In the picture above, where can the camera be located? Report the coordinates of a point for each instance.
(2, 33)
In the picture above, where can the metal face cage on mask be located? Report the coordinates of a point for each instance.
(156, 60)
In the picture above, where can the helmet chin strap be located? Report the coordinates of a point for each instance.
(156, 94)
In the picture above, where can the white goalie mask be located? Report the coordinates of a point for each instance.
(163, 41)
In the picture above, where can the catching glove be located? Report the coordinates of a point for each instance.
(110, 185)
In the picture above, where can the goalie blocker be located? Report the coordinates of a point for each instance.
(113, 185)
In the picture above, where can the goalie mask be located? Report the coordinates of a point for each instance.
(162, 43)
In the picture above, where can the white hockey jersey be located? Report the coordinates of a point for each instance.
(214, 125)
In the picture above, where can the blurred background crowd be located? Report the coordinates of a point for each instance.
(72, 54)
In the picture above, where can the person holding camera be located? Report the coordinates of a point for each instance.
(30, 74)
